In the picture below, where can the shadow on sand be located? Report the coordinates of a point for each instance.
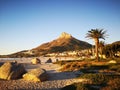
(61, 75)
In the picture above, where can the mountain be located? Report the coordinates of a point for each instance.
(65, 42)
(117, 42)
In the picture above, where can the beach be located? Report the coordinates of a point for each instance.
(55, 81)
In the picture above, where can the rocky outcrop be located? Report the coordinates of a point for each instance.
(35, 61)
(65, 35)
(10, 71)
(36, 75)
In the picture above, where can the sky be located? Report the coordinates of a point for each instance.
(26, 24)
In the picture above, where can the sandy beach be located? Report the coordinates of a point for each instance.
(55, 81)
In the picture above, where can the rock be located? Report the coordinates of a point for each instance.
(57, 60)
(35, 61)
(36, 75)
(1, 63)
(112, 62)
(49, 60)
(10, 71)
(65, 35)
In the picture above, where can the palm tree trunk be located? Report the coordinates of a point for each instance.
(96, 48)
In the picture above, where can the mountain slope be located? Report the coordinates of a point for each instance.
(65, 42)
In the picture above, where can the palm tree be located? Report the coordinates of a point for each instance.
(101, 46)
(96, 34)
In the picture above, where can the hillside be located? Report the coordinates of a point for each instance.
(65, 42)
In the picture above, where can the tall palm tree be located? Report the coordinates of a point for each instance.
(96, 34)
(101, 46)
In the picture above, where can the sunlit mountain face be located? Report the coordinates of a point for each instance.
(65, 42)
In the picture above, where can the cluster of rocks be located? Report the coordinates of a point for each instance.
(33, 79)
(38, 61)
(12, 71)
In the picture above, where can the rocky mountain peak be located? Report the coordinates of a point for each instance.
(65, 42)
(65, 35)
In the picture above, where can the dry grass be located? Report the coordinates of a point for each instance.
(73, 66)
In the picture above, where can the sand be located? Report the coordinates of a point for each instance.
(56, 79)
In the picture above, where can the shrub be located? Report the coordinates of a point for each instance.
(98, 67)
(59, 62)
(115, 67)
(96, 78)
(65, 62)
(73, 66)
(69, 87)
(66, 67)
(75, 86)
(79, 86)
(113, 84)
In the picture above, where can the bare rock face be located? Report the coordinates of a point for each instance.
(10, 71)
(36, 75)
(65, 35)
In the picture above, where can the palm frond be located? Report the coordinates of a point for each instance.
(96, 33)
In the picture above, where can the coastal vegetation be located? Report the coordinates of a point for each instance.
(68, 46)
(96, 34)
(108, 84)
(99, 74)
(112, 50)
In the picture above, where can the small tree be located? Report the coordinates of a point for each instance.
(96, 34)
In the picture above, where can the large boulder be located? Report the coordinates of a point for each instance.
(10, 71)
(37, 75)
(35, 61)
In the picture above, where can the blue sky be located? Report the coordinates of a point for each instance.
(25, 24)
